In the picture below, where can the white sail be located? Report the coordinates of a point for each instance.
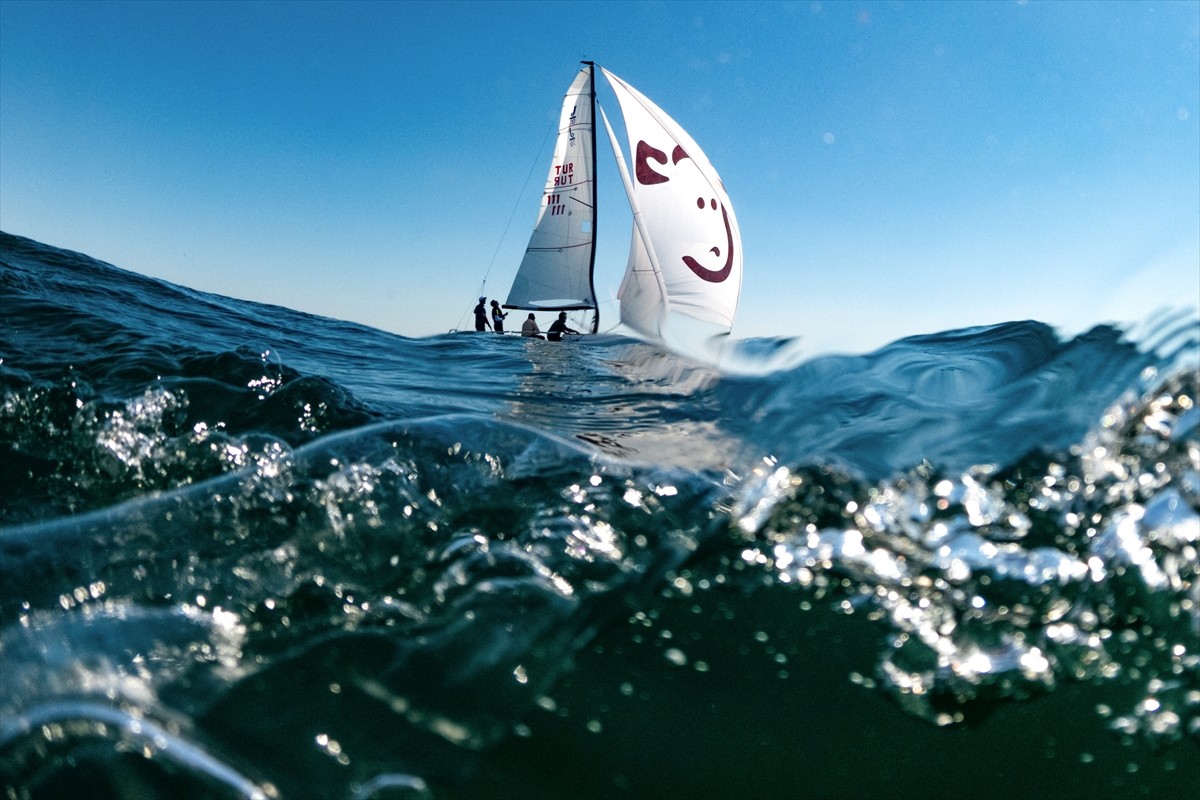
(644, 301)
(687, 218)
(556, 272)
(643, 294)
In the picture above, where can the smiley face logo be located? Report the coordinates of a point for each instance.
(647, 175)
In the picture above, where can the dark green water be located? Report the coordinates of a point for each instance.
(250, 552)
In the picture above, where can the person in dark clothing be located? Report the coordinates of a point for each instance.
(481, 322)
(497, 317)
(559, 327)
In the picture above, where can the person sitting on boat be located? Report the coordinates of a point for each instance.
(530, 327)
(559, 327)
(481, 323)
(497, 317)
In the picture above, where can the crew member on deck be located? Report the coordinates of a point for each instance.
(530, 327)
(481, 323)
(497, 317)
(559, 327)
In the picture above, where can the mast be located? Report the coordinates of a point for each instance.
(591, 65)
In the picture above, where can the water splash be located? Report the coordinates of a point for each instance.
(1000, 583)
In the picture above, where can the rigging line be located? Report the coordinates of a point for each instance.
(558, 249)
(520, 196)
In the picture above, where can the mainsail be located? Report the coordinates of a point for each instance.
(685, 255)
(556, 272)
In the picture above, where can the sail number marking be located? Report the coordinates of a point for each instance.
(564, 175)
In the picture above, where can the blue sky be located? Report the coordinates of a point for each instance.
(897, 168)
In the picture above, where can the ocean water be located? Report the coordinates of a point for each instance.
(249, 552)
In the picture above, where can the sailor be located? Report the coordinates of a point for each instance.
(481, 322)
(497, 317)
(530, 327)
(559, 327)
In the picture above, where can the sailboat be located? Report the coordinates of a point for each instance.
(685, 254)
